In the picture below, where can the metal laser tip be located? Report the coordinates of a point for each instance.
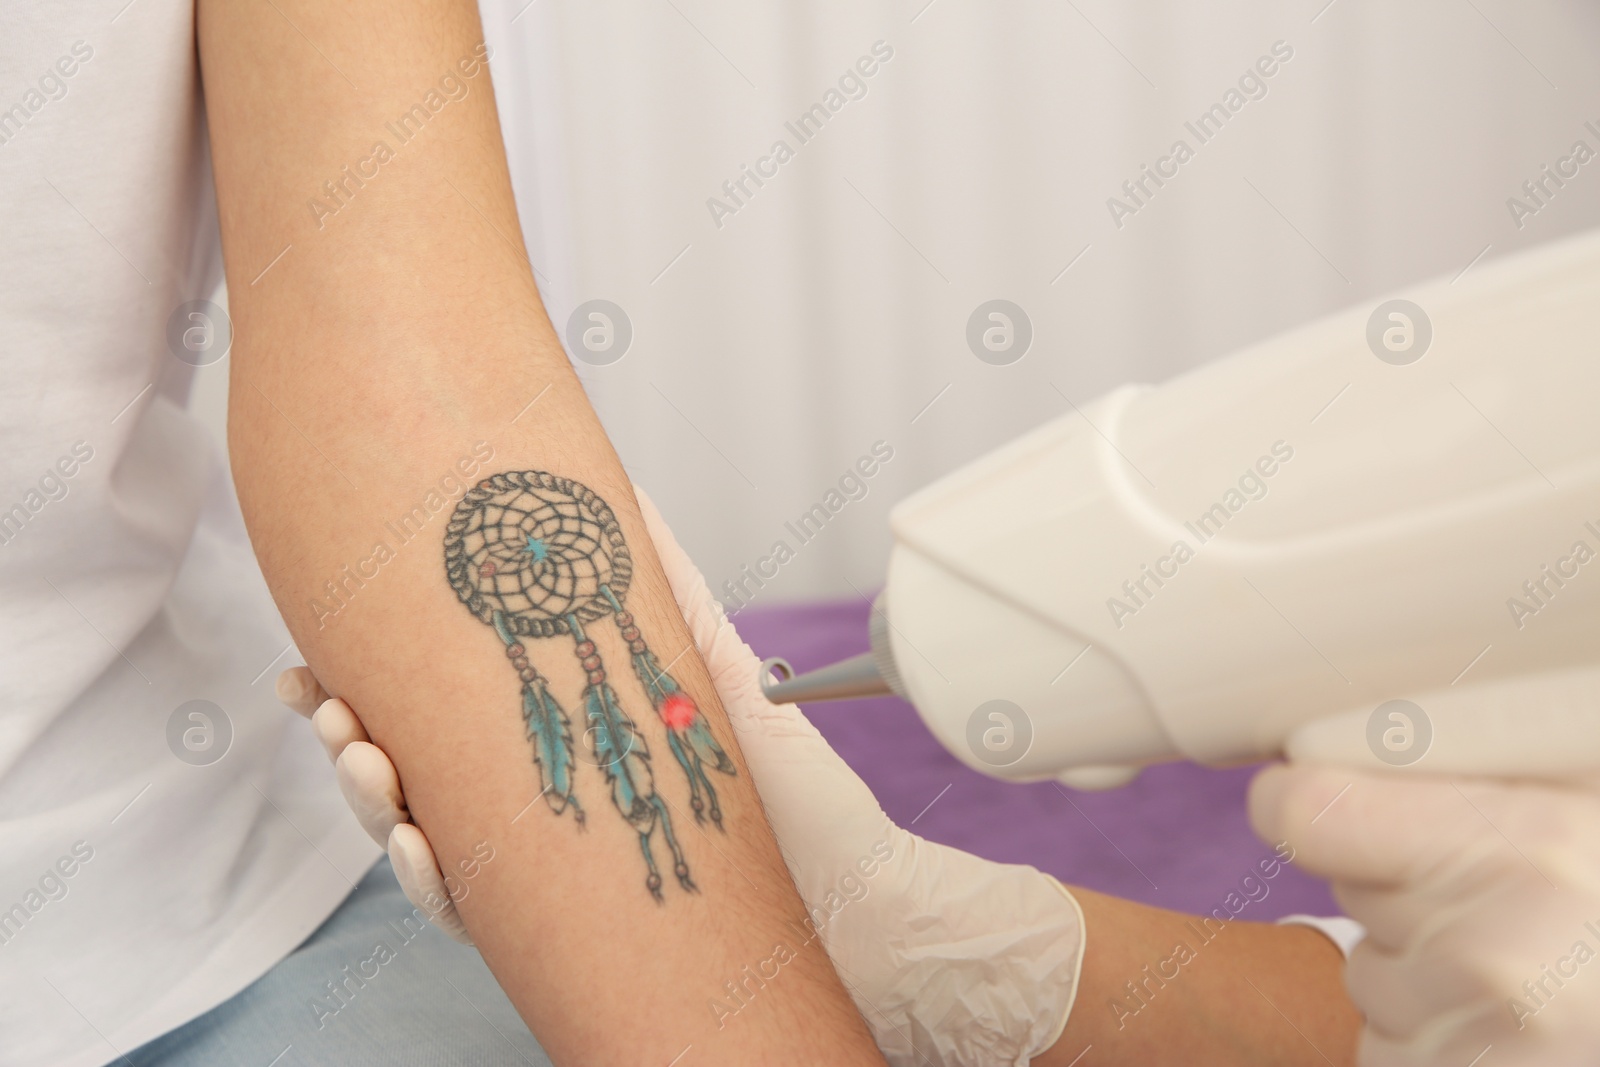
(871, 674)
(855, 677)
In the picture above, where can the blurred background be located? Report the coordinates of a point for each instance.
(772, 345)
(776, 332)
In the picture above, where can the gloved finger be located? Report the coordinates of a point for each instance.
(1463, 836)
(1403, 993)
(1404, 918)
(1488, 955)
(1543, 725)
(337, 726)
(1563, 1033)
(371, 787)
(1491, 896)
(417, 870)
(299, 688)
(1351, 826)
(1449, 1040)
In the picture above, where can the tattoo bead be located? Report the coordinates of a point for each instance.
(624, 618)
(591, 663)
(585, 649)
(637, 647)
(513, 651)
(678, 711)
(653, 882)
(630, 633)
(596, 677)
(520, 663)
(528, 674)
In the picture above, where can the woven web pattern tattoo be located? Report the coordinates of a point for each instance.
(535, 555)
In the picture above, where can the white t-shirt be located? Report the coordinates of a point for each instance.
(137, 889)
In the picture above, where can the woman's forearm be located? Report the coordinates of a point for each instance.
(1160, 987)
(458, 552)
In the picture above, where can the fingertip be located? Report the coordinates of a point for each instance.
(1287, 800)
(417, 870)
(333, 705)
(408, 846)
(287, 688)
(372, 789)
(336, 726)
(366, 766)
(415, 867)
(1265, 799)
(297, 688)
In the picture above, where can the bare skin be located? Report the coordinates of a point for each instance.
(391, 352)
(1255, 994)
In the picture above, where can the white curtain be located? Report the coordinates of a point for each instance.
(774, 345)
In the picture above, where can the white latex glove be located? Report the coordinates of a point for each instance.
(371, 786)
(950, 958)
(1481, 898)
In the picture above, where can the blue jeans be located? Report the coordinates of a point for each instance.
(375, 985)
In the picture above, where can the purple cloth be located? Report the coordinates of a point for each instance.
(1177, 837)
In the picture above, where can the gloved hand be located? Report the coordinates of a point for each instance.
(1481, 897)
(371, 786)
(950, 958)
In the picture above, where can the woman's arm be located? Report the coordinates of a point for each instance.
(1161, 987)
(391, 353)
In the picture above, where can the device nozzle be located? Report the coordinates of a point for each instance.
(871, 674)
(855, 677)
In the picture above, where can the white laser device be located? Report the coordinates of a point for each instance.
(1396, 503)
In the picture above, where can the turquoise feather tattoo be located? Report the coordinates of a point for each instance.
(535, 555)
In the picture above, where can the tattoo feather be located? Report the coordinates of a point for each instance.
(551, 733)
(660, 685)
(621, 753)
(688, 734)
(706, 747)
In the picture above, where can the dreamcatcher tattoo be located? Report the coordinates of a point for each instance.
(535, 555)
